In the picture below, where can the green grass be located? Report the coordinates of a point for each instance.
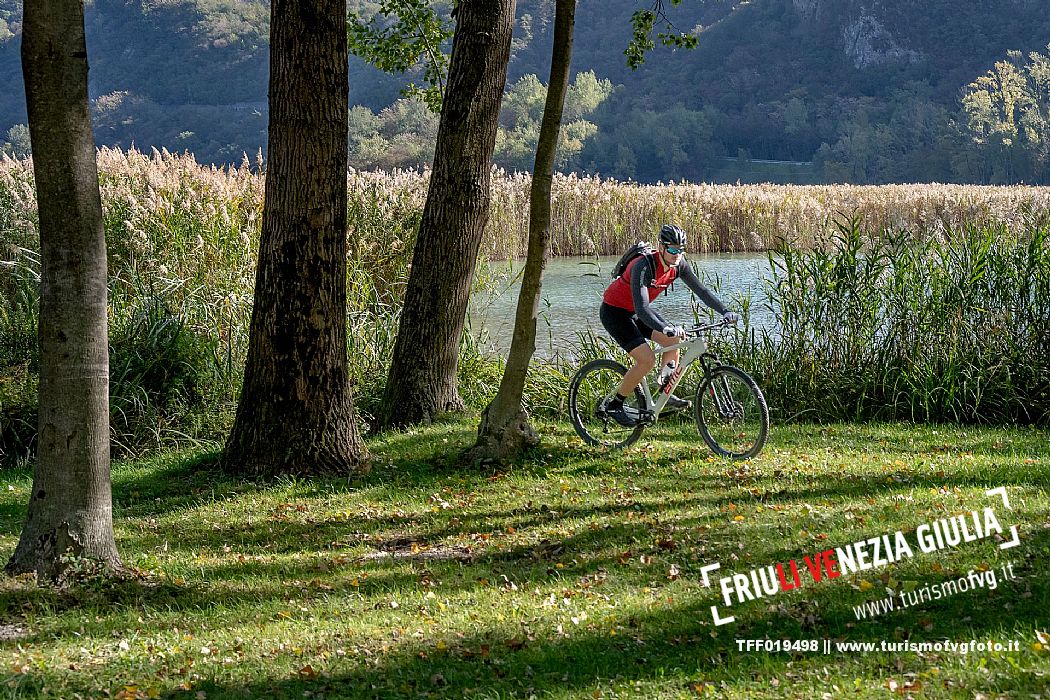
(574, 573)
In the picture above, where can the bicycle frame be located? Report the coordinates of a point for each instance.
(691, 351)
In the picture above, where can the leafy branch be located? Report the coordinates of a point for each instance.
(643, 24)
(404, 35)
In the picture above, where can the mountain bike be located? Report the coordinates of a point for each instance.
(729, 407)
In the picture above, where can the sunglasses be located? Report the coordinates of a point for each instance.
(675, 250)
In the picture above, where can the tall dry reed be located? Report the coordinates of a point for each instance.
(592, 216)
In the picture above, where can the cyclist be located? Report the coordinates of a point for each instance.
(630, 319)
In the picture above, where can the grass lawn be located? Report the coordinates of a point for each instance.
(575, 573)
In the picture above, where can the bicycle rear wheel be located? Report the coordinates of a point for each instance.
(731, 413)
(590, 388)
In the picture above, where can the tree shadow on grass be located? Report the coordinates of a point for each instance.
(678, 639)
(277, 533)
(280, 533)
(183, 482)
(414, 460)
(423, 557)
(186, 483)
(391, 565)
(670, 642)
(707, 491)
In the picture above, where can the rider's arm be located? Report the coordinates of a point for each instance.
(641, 277)
(686, 274)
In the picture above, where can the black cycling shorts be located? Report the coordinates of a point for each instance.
(625, 328)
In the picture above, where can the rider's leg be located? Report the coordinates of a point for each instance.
(665, 340)
(644, 361)
(673, 402)
(630, 335)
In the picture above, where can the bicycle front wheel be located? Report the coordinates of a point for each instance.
(731, 413)
(594, 384)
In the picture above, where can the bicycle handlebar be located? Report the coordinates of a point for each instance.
(698, 329)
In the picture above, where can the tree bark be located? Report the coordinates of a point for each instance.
(505, 429)
(296, 414)
(422, 379)
(70, 509)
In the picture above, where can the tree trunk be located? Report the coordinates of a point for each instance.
(422, 379)
(295, 414)
(70, 508)
(505, 430)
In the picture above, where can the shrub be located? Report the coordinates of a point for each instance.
(160, 370)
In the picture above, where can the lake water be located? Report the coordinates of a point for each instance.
(572, 293)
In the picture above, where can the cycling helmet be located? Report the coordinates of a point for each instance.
(672, 235)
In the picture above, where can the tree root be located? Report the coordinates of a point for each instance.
(498, 444)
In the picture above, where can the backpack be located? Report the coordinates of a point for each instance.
(637, 248)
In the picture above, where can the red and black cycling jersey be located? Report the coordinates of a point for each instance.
(626, 291)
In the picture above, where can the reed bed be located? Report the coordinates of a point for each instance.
(591, 215)
(930, 331)
(595, 216)
(930, 303)
(181, 242)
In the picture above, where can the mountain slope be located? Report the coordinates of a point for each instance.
(870, 87)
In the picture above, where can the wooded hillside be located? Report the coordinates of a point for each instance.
(842, 90)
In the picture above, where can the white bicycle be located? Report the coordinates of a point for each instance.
(731, 412)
